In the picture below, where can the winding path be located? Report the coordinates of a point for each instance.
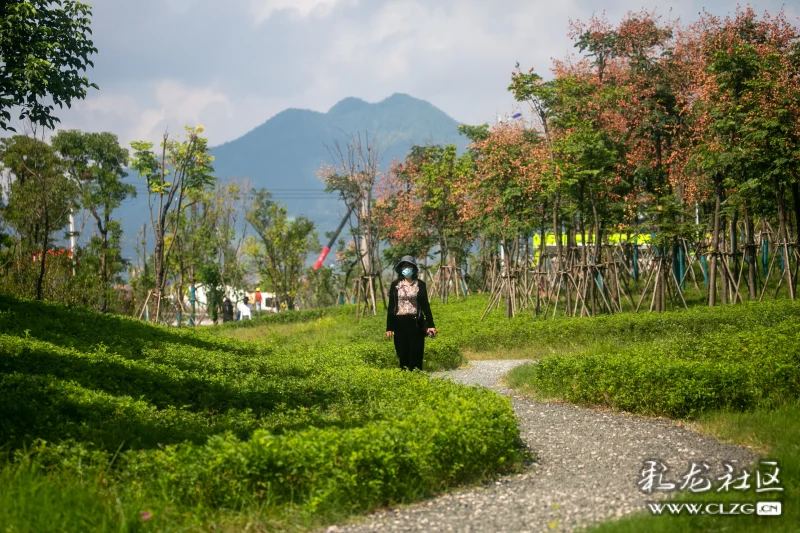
(587, 468)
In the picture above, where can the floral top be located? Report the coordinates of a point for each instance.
(407, 298)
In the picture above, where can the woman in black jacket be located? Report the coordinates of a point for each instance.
(407, 295)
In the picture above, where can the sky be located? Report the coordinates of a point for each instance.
(163, 64)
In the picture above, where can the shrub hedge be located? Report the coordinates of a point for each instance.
(286, 317)
(749, 357)
(194, 420)
(460, 323)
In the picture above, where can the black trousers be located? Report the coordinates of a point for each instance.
(409, 342)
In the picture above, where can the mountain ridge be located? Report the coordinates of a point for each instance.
(288, 148)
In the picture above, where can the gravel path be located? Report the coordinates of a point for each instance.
(587, 468)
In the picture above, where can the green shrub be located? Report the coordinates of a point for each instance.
(729, 368)
(459, 322)
(439, 354)
(453, 437)
(286, 317)
(188, 420)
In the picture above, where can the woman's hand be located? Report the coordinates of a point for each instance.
(432, 330)
(389, 334)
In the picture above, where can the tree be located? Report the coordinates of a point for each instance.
(44, 47)
(428, 189)
(541, 97)
(322, 289)
(746, 110)
(506, 193)
(353, 176)
(208, 245)
(188, 163)
(96, 163)
(41, 198)
(281, 245)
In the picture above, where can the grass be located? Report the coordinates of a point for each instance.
(771, 431)
(532, 352)
(741, 358)
(318, 330)
(35, 502)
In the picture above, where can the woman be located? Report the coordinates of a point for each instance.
(407, 294)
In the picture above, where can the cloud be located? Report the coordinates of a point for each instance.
(456, 54)
(231, 68)
(262, 10)
(188, 104)
(148, 110)
(181, 7)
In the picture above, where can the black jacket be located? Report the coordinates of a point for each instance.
(422, 303)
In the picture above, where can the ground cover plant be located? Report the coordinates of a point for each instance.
(523, 336)
(336, 327)
(733, 372)
(107, 418)
(680, 364)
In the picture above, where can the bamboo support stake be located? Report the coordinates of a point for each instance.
(144, 306)
(766, 280)
(679, 291)
(555, 307)
(644, 291)
(602, 293)
(655, 287)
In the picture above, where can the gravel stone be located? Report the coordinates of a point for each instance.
(588, 468)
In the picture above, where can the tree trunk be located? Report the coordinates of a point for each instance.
(104, 265)
(796, 202)
(751, 255)
(723, 288)
(712, 271)
(507, 268)
(567, 263)
(734, 253)
(158, 258)
(556, 229)
(542, 259)
(783, 238)
(181, 278)
(444, 292)
(43, 260)
(597, 247)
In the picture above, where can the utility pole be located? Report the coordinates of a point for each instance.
(144, 269)
(144, 248)
(72, 240)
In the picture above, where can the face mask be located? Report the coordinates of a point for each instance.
(407, 272)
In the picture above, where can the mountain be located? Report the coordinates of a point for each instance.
(283, 154)
(285, 151)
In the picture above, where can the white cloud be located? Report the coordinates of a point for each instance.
(264, 9)
(262, 56)
(457, 54)
(145, 112)
(187, 104)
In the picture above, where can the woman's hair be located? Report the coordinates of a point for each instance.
(413, 274)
